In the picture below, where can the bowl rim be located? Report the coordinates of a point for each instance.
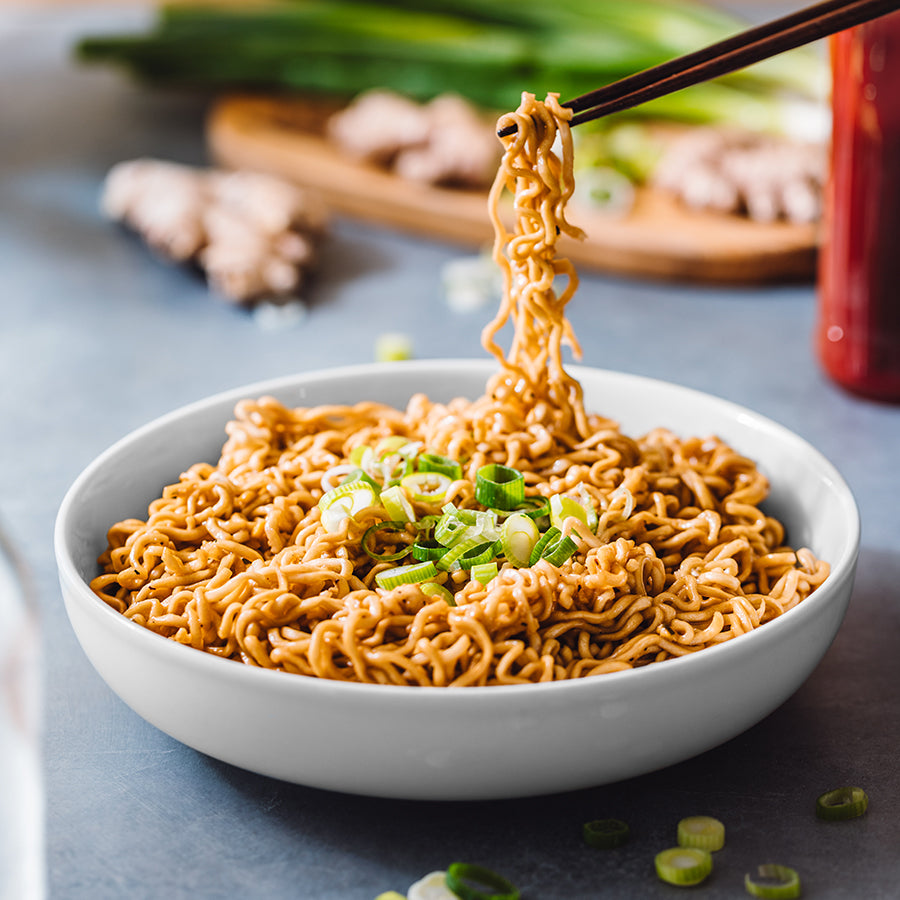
(235, 671)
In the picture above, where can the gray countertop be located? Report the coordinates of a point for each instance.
(97, 337)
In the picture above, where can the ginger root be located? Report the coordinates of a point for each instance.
(446, 141)
(254, 236)
(765, 177)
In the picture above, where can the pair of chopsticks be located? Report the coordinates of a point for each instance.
(736, 52)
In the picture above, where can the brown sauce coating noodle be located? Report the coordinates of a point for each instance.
(234, 560)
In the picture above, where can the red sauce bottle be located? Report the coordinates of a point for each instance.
(858, 328)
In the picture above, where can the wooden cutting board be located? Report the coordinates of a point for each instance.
(657, 239)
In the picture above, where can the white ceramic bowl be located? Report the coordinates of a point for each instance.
(466, 743)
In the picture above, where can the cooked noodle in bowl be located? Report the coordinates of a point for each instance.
(392, 535)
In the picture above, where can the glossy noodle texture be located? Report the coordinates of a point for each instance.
(234, 558)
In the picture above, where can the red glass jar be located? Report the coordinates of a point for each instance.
(858, 328)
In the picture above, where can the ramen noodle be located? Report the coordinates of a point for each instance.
(511, 539)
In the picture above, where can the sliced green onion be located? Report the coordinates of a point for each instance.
(451, 559)
(433, 589)
(411, 574)
(551, 534)
(683, 865)
(363, 476)
(480, 553)
(518, 537)
(397, 504)
(485, 572)
(426, 487)
(775, 882)
(704, 832)
(372, 530)
(427, 549)
(842, 803)
(391, 444)
(533, 507)
(434, 462)
(562, 508)
(358, 454)
(556, 552)
(345, 501)
(499, 486)
(605, 833)
(470, 882)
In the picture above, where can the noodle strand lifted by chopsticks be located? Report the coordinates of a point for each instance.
(235, 560)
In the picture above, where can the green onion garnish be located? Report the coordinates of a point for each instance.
(533, 507)
(704, 832)
(518, 537)
(391, 444)
(479, 554)
(434, 462)
(370, 533)
(364, 477)
(426, 487)
(562, 508)
(551, 534)
(559, 550)
(411, 574)
(683, 865)
(345, 501)
(427, 549)
(433, 589)
(775, 882)
(499, 486)
(357, 454)
(397, 504)
(605, 833)
(842, 803)
(451, 559)
(470, 882)
(485, 573)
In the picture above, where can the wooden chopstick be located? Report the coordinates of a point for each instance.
(743, 49)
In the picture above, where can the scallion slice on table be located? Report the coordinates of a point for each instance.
(683, 866)
(842, 803)
(411, 574)
(605, 833)
(471, 882)
(479, 555)
(773, 882)
(704, 832)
